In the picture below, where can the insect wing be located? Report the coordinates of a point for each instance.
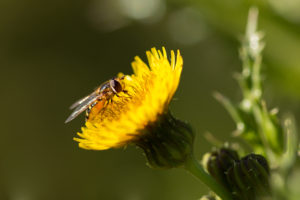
(80, 101)
(82, 105)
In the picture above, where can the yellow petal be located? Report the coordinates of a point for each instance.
(149, 92)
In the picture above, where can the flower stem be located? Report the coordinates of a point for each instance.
(193, 166)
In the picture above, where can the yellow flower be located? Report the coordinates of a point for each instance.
(148, 94)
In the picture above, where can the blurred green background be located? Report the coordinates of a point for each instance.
(55, 52)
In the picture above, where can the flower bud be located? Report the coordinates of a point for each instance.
(249, 177)
(210, 197)
(167, 142)
(219, 162)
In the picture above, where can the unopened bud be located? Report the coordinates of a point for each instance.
(210, 197)
(249, 177)
(219, 162)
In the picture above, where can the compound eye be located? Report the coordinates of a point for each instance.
(116, 85)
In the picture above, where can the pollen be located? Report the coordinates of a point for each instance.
(149, 91)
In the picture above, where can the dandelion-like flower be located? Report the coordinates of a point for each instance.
(134, 109)
(141, 115)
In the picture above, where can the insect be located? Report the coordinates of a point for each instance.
(104, 93)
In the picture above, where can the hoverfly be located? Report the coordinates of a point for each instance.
(105, 92)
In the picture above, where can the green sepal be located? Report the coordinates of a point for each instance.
(167, 142)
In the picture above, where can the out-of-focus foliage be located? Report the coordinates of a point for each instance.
(54, 52)
(260, 129)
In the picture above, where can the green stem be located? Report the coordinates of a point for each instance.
(193, 166)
